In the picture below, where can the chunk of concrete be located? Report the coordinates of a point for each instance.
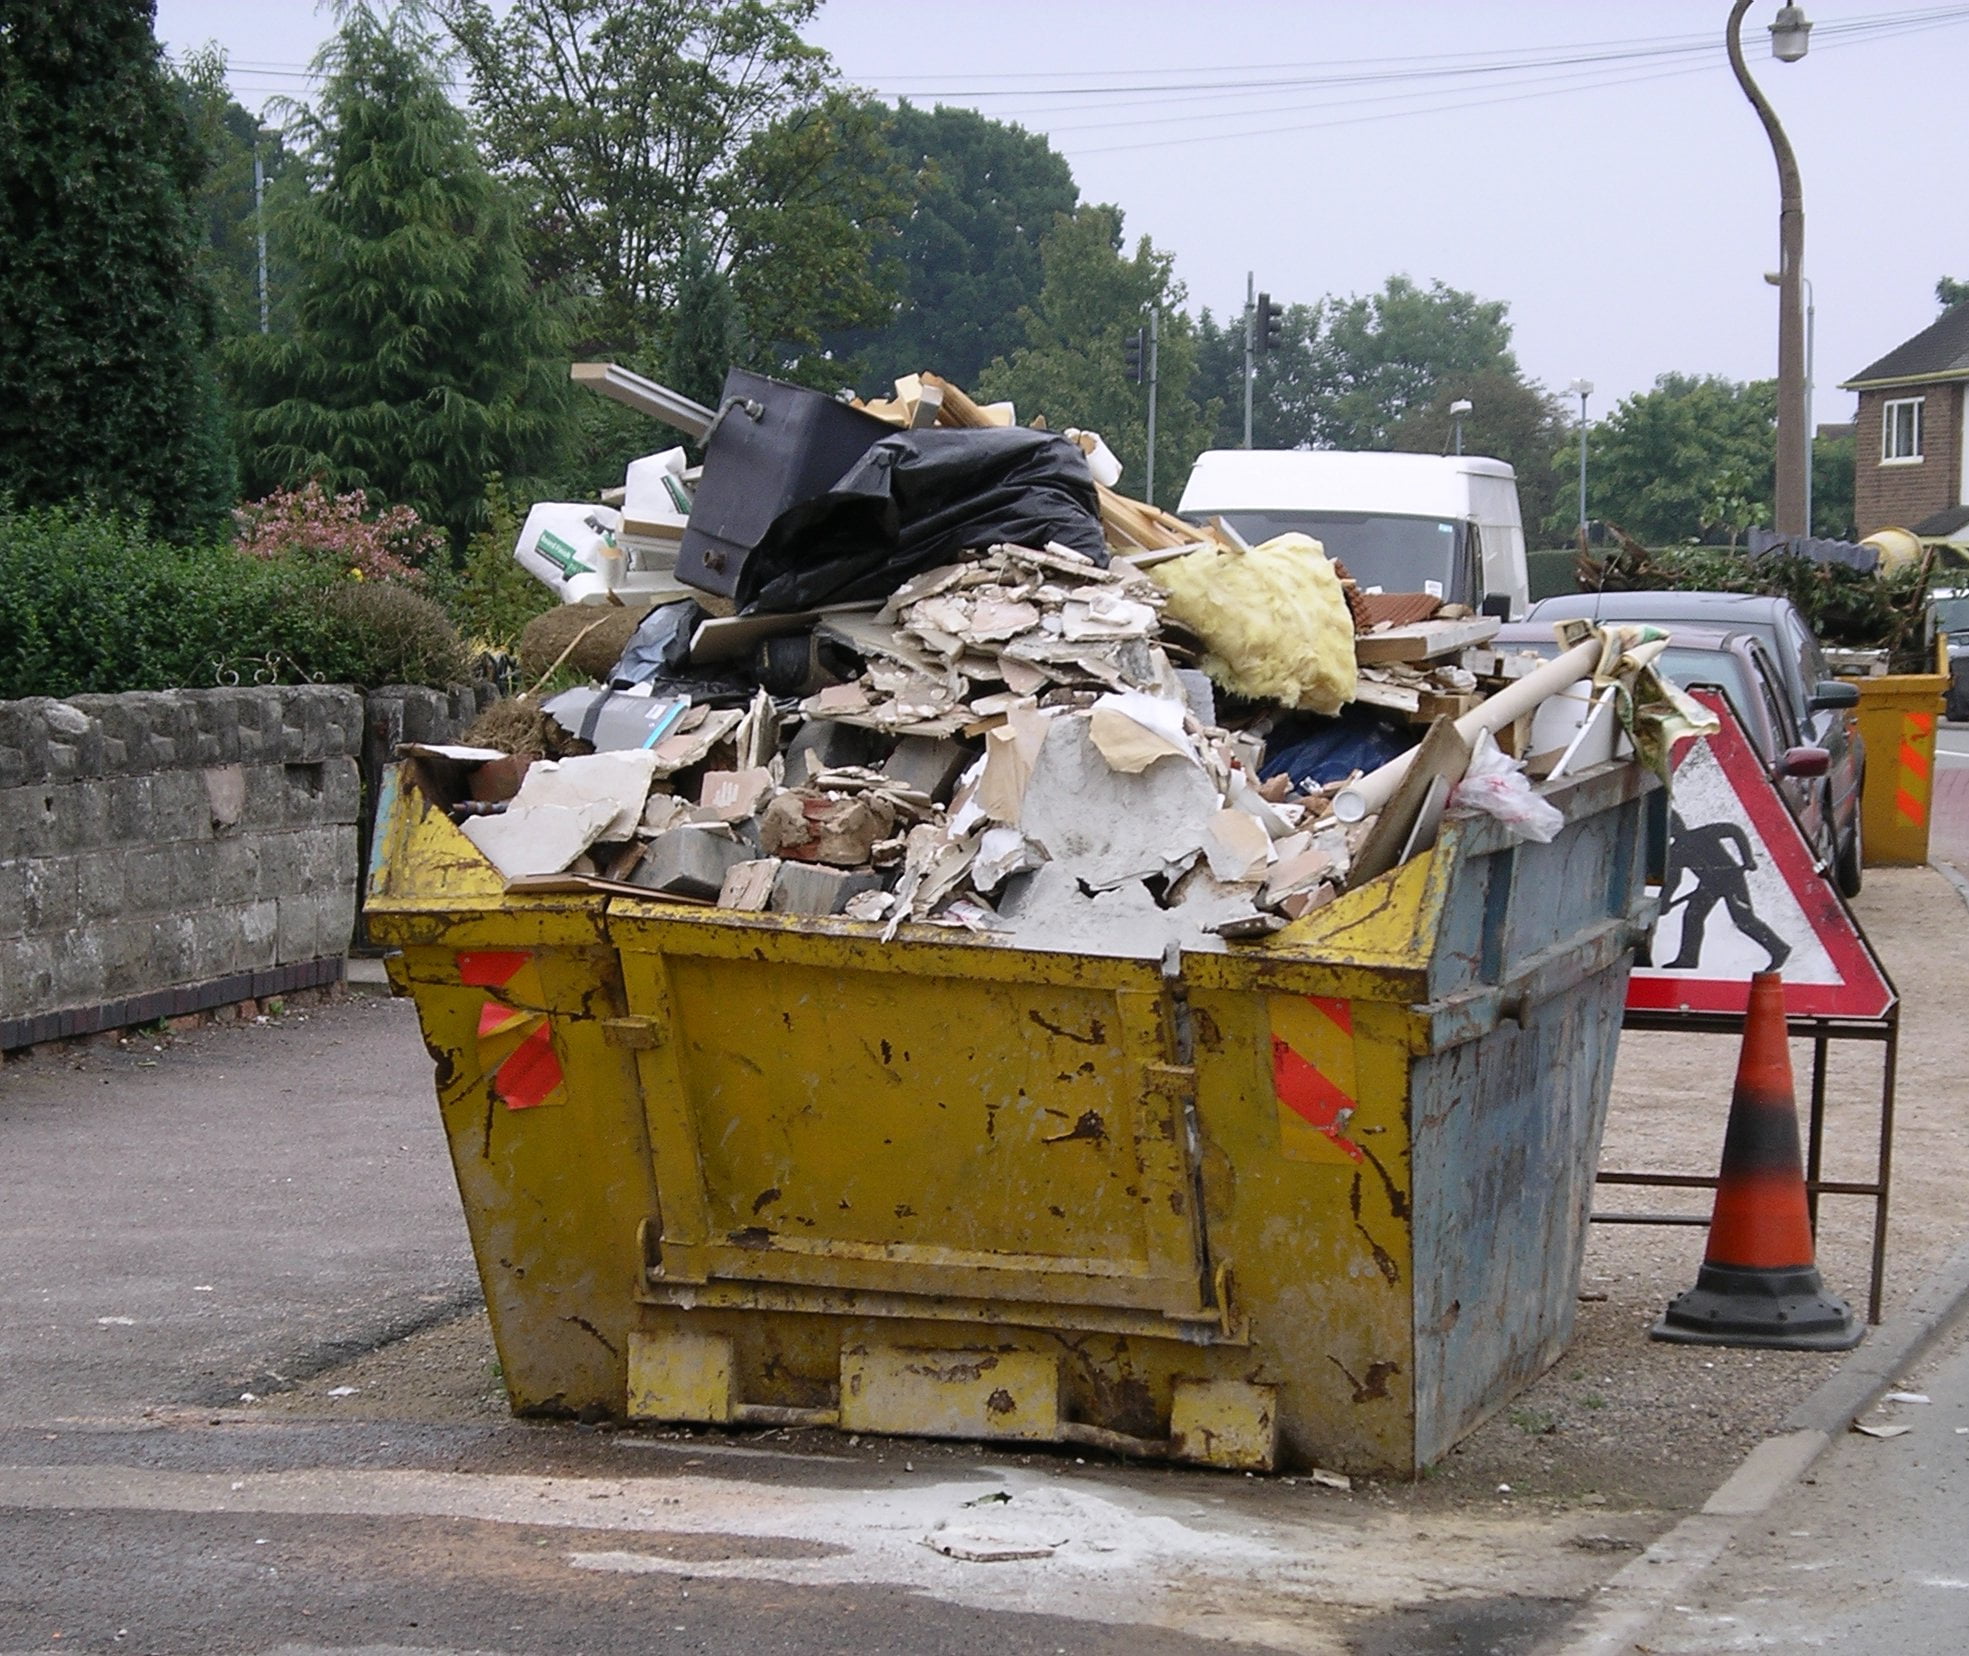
(827, 744)
(930, 765)
(749, 885)
(1104, 827)
(691, 862)
(811, 888)
(809, 826)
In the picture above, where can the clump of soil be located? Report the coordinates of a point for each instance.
(516, 725)
(599, 634)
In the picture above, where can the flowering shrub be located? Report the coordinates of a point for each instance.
(390, 546)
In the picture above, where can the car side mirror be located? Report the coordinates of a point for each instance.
(1830, 693)
(1497, 604)
(1803, 761)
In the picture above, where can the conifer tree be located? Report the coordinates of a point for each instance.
(419, 361)
(105, 393)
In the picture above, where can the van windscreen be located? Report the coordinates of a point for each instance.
(1396, 554)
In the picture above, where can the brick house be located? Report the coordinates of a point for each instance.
(1910, 432)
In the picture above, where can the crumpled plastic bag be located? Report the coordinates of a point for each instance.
(1496, 784)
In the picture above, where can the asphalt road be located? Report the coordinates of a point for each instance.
(178, 1216)
(1869, 1554)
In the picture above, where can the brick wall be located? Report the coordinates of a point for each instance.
(163, 853)
(1900, 496)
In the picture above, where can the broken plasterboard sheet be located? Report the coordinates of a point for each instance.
(1105, 826)
(689, 747)
(1011, 751)
(452, 750)
(1134, 729)
(537, 839)
(1003, 852)
(1237, 846)
(1049, 911)
(619, 778)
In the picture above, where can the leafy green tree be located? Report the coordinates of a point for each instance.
(984, 195)
(1280, 381)
(1691, 460)
(105, 391)
(635, 128)
(1949, 292)
(708, 331)
(1348, 372)
(1072, 367)
(1378, 357)
(418, 359)
(1832, 487)
(1509, 420)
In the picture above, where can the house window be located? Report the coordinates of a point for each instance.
(1900, 430)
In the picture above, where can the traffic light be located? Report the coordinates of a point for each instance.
(1268, 326)
(1135, 354)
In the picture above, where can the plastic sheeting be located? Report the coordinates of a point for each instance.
(1331, 750)
(919, 499)
(660, 646)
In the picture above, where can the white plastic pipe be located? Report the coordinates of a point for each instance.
(1374, 790)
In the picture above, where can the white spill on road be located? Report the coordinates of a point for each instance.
(1263, 1564)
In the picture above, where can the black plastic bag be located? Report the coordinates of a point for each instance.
(919, 499)
(660, 647)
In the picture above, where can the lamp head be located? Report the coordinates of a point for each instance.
(1581, 388)
(1462, 405)
(1790, 34)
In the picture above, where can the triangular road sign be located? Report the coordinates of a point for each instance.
(1744, 894)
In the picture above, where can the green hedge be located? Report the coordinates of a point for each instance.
(92, 603)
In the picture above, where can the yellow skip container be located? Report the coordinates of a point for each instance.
(1317, 1199)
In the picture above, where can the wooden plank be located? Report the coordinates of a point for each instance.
(1425, 640)
(1397, 698)
(1407, 822)
(957, 409)
(659, 402)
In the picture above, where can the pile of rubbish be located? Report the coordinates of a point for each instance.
(1111, 732)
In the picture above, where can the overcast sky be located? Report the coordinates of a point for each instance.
(1595, 166)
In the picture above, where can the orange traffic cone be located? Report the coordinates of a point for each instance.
(1759, 1284)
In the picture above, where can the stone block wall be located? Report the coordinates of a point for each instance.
(168, 852)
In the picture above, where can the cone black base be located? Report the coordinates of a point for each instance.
(1786, 1310)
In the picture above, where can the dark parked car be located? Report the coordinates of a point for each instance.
(1820, 705)
(1948, 615)
(1737, 665)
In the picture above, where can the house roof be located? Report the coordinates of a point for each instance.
(1947, 524)
(1939, 352)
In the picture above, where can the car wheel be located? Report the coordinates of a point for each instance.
(1851, 858)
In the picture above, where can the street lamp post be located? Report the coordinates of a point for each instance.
(1582, 389)
(1789, 39)
(1457, 410)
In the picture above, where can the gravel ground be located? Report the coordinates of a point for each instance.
(1621, 1421)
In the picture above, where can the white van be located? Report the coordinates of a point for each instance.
(1437, 523)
